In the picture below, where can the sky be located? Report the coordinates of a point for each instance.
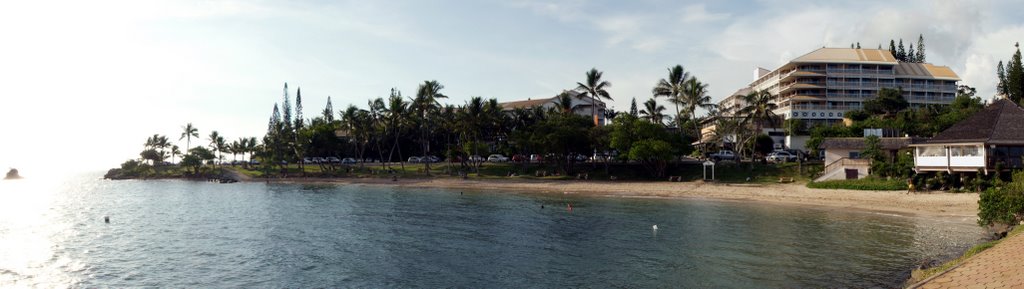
(86, 82)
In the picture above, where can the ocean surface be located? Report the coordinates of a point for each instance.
(172, 233)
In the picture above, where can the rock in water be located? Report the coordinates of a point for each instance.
(12, 174)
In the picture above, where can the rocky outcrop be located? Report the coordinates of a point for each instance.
(12, 174)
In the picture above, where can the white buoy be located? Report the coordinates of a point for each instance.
(655, 227)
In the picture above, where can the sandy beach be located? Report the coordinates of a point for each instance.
(956, 205)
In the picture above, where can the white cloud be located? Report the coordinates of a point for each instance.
(699, 13)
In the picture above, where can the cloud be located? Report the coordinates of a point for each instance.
(699, 13)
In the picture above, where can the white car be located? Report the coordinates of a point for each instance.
(497, 158)
(414, 159)
(348, 161)
(476, 158)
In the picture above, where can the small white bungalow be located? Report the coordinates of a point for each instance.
(990, 139)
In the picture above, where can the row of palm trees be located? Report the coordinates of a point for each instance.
(398, 126)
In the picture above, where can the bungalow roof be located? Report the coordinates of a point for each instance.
(1001, 123)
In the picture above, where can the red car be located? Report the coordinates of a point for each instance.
(518, 158)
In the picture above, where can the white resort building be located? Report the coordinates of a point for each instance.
(581, 106)
(821, 86)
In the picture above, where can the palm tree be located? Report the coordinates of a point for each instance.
(378, 122)
(652, 111)
(563, 103)
(213, 138)
(471, 118)
(760, 109)
(425, 103)
(189, 133)
(397, 114)
(595, 88)
(252, 146)
(695, 95)
(672, 88)
(175, 151)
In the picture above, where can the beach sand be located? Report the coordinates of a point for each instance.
(963, 206)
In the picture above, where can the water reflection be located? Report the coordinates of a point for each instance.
(195, 234)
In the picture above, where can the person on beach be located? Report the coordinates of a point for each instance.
(910, 185)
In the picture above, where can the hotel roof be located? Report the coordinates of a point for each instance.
(877, 56)
(925, 70)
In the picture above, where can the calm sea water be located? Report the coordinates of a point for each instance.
(194, 234)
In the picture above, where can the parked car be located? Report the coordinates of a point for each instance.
(430, 159)
(348, 161)
(476, 158)
(307, 160)
(723, 155)
(414, 159)
(497, 158)
(780, 156)
(333, 160)
(535, 158)
(518, 158)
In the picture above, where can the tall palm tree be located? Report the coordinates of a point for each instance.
(672, 88)
(563, 103)
(397, 114)
(424, 104)
(652, 111)
(189, 133)
(175, 151)
(213, 138)
(379, 124)
(252, 147)
(695, 95)
(594, 88)
(472, 120)
(760, 109)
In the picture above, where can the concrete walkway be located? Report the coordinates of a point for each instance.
(1001, 266)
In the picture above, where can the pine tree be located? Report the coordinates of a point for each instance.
(632, 109)
(920, 48)
(1001, 77)
(892, 47)
(901, 53)
(911, 55)
(329, 111)
(1015, 77)
(286, 109)
(298, 109)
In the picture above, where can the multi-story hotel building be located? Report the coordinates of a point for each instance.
(821, 86)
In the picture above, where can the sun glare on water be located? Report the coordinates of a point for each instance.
(30, 229)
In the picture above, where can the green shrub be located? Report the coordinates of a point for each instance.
(1002, 204)
(866, 184)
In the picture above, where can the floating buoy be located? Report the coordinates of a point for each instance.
(106, 219)
(655, 227)
(541, 206)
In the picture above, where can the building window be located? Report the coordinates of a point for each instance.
(931, 151)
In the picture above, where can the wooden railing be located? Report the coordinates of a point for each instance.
(843, 162)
